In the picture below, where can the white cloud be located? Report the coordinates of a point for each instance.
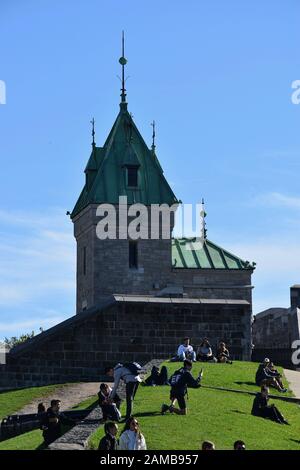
(275, 199)
(37, 255)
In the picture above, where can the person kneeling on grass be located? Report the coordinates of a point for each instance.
(109, 441)
(180, 381)
(131, 437)
(261, 408)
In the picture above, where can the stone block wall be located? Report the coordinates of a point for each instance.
(126, 330)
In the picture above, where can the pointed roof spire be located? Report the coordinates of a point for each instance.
(153, 136)
(123, 62)
(203, 227)
(93, 133)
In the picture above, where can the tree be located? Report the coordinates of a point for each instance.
(14, 340)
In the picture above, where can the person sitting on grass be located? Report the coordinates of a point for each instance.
(262, 409)
(109, 441)
(208, 445)
(180, 381)
(185, 351)
(110, 408)
(265, 376)
(223, 354)
(51, 423)
(157, 377)
(204, 352)
(239, 445)
(131, 437)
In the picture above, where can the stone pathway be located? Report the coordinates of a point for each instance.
(70, 395)
(293, 377)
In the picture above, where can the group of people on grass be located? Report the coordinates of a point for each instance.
(131, 437)
(268, 376)
(203, 353)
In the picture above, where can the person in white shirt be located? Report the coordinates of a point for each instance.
(132, 381)
(131, 437)
(186, 351)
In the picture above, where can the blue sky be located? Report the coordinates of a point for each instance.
(216, 76)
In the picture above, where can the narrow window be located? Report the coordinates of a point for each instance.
(133, 255)
(84, 261)
(132, 176)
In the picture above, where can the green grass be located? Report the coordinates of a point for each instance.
(14, 400)
(33, 440)
(220, 416)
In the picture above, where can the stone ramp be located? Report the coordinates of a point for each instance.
(70, 395)
(293, 378)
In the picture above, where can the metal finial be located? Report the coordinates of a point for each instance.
(153, 135)
(93, 132)
(203, 215)
(123, 62)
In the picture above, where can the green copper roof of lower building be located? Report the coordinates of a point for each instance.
(107, 167)
(190, 253)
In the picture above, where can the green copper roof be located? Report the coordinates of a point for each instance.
(106, 177)
(209, 256)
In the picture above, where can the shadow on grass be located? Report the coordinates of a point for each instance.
(148, 413)
(246, 383)
(295, 440)
(90, 407)
(240, 412)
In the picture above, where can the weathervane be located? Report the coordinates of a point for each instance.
(123, 62)
(153, 135)
(203, 215)
(93, 132)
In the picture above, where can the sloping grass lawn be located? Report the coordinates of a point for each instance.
(33, 440)
(220, 416)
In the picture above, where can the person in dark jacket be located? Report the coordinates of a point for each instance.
(262, 409)
(157, 377)
(223, 354)
(51, 423)
(180, 381)
(110, 408)
(265, 376)
(109, 441)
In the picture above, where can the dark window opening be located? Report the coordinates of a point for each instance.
(84, 260)
(133, 255)
(132, 177)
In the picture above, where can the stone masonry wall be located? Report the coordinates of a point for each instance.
(125, 331)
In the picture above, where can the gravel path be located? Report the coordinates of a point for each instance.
(293, 377)
(70, 395)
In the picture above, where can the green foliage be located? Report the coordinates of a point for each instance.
(14, 340)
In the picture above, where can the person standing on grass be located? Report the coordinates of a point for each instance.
(131, 437)
(262, 409)
(129, 373)
(180, 381)
(109, 441)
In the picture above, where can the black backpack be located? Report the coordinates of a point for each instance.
(134, 367)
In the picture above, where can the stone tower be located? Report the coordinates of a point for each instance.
(124, 167)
